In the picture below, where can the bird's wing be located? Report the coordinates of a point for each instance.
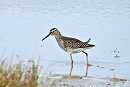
(71, 42)
(88, 40)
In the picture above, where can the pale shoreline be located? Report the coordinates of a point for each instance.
(58, 80)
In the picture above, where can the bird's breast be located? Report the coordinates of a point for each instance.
(60, 43)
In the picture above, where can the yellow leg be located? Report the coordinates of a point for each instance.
(87, 58)
(71, 59)
(87, 71)
(71, 64)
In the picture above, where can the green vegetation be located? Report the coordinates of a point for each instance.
(19, 75)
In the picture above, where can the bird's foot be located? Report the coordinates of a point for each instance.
(89, 64)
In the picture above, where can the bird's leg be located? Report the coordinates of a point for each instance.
(71, 64)
(71, 59)
(87, 71)
(87, 58)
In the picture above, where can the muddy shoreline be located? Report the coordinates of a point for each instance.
(59, 80)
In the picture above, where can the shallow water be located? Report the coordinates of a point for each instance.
(24, 23)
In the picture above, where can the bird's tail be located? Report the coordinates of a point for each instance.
(91, 45)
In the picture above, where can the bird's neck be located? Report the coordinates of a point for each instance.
(58, 35)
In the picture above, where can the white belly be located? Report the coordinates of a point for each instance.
(71, 51)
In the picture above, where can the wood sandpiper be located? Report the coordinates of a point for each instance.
(70, 45)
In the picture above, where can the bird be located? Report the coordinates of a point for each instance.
(69, 44)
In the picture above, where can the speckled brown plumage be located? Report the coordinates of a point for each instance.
(68, 44)
(73, 43)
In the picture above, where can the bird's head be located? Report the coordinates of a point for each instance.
(52, 32)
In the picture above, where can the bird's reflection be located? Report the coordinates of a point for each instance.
(72, 69)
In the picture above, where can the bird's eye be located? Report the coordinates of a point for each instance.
(51, 31)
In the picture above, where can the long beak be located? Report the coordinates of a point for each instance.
(46, 36)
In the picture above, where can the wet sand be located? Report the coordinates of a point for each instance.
(92, 80)
(76, 81)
